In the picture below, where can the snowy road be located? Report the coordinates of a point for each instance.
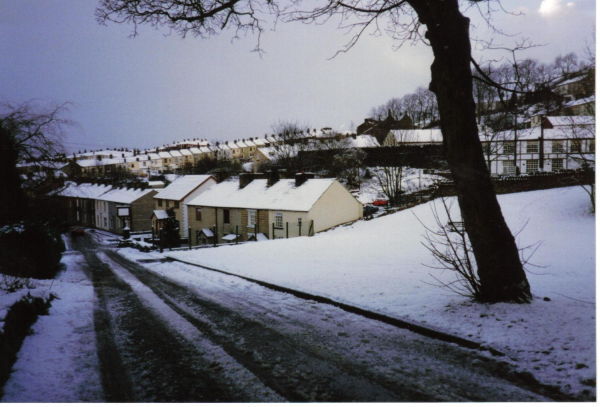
(231, 340)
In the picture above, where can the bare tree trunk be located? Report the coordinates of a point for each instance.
(499, 267)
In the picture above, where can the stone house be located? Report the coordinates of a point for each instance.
(260, 209)
(138, 201)
(177, 195)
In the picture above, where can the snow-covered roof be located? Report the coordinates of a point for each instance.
(160, 214)
(164, 154)
(44, 164)
(583, 101)
(573, 80)
(124, 195)
(241, 144)
(90, 163)
(89, 191)
(364, 140)
(534, 133)
(283, 195)
(207, 232)
(105, 153)
(195, 150)
(182, 187)
(572, 120)
(418, 136)
(224, 147)
(175, 153)
(269, 152)
(261, 237)
(156, 184)
(230, 237)
(154, 156)
(205, 149)
(137, 158)
(260, 142)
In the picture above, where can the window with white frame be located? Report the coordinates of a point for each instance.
(531, 165)
(508, 148)
(557, 164)
(279, 220)
(533, 147)
(558, 147)
(251, 217)
(508, 167)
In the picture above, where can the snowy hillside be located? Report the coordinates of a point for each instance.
(380, 265)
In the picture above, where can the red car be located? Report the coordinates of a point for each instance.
(380, 201)
(77, 232)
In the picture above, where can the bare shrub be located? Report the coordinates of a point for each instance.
(11, 284)
(450, 247)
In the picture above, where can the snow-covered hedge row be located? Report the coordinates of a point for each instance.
(30, 250)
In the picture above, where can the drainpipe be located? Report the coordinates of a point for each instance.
(541, 165)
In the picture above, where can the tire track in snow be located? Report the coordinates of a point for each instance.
(236, 375)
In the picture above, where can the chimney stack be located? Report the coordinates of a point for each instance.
(301, 177)
(272, 177)
(245, 179)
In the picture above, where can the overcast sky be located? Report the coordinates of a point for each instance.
(154, 89)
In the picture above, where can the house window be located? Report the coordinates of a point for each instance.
(508, 148)
(167, 202)
(592, 146)
(251, 217)
(557, 164)
(508, 167)
(105, 206)
(160, 203)
(279, 220)
(176, 204)
(575, 146)
(533, 147)
(226, 216)
(199, 214)
(531, 165)
(558, 147)
(105, 223)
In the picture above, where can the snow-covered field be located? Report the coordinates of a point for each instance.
(379, 265)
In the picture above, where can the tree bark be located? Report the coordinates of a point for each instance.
(499, 266)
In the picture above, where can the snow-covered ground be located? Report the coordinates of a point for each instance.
(57, 361)
(379, 265)
(413, 179)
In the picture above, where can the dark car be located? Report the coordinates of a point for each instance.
(369, 210)
(77, 232)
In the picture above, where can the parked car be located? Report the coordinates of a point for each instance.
(369, 210)
(77, 231)
(380, 201)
